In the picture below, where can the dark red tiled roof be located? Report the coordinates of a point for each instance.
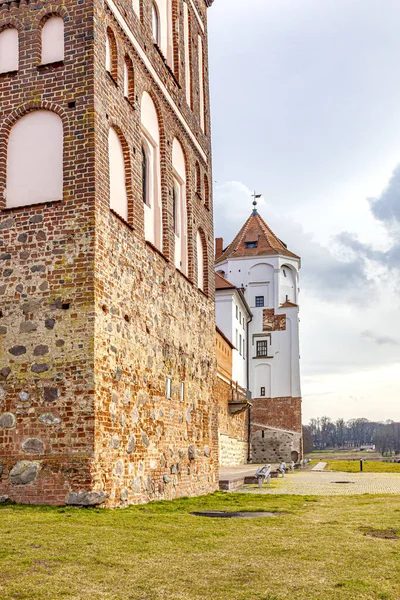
(256, 231)
(223, 284)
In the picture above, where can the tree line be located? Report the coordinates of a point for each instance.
(324, 433)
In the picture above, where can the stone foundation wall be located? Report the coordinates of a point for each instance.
(276, 430)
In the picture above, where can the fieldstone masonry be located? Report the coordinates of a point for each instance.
(92, 318)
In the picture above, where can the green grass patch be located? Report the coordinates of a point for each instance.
(317, 549)
(368, 467)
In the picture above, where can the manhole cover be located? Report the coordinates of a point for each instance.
(343, 482)
(215, 514)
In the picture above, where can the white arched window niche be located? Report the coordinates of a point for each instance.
(162, 29)
(53, 40)
(111, 54)
(155, 23)
(151, 172)
(201, 255)
(201, 82)
(118, 187)
(179, 207)
(287, 285)
(34, 177)
(9, 50)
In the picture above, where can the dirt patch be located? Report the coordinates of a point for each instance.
(384, 534)
(343, 482)
(234, 515)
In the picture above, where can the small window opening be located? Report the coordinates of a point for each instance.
(182, 391)
(155, 23)
(259, 301)
(251, 244)
(168, 388)
(262, 349)
(145, 176)
(262, 391)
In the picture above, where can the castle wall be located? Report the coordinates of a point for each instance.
(152, 322)
(46, 274)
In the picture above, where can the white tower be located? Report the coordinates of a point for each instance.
(268, 273)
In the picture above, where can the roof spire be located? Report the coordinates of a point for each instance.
(255, 196)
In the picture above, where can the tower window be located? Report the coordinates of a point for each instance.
(9, 49)
(259, 301)
(155, 23)
(262, 391)
(53, 41)
(251, 244)
(262, 349)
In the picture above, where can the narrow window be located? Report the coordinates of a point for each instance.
(9, 50)
(33, 176)
(151, 182)
(244, 348)
(168, 388)
(237, 312)
(236, 338)
(145, 177)
(111, 55)
(155, 23)
(262, 349)
(129, 84)
(240, 344)
(53, 41)
(240, 316)
(118, 188)
(182, 391)
(179, 207)
(188, 67)
(201, 83)
(259, 301)
(262, 391)
(201, 271)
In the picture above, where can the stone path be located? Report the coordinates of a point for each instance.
(324, 483)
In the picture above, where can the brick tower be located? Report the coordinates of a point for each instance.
(267, 272)
(107, 329)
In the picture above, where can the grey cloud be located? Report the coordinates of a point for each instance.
(380, 340)
(387, 207)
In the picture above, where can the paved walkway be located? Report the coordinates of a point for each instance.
(319, 467)
(316, 483)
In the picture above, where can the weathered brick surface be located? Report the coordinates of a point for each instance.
(276, 429)
(92, 319)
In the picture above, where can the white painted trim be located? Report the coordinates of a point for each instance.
(269, 427)
(117, 14)
(196, 12)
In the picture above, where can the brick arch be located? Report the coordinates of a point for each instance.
(166, 243)
(128, 167)
(42, 16)
(12, 23)
(8, 124)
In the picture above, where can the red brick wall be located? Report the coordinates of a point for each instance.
(283, 413)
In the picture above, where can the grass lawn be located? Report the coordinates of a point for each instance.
(368, 467)
(316, 550)
(342, 454)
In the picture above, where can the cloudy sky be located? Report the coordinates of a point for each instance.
(306, 110)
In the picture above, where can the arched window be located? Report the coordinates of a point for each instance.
(201, 82)
(179, 207)
(9, 50)
(111, 55)
(206, 192)
(33, 176)
(155, 23)
(287, 285)
(118, 187)
(53, 40)
(151, 172)
(197, 179)
(129, 82)
(201, 255)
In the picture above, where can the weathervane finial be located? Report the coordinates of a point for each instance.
(255, 196)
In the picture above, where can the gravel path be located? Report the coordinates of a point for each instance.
(325, 483)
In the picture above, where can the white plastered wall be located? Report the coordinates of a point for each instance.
(151, 135)
(53, 40)
(179, 170)
(9, 50)
(33, 176)
(118, 194)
